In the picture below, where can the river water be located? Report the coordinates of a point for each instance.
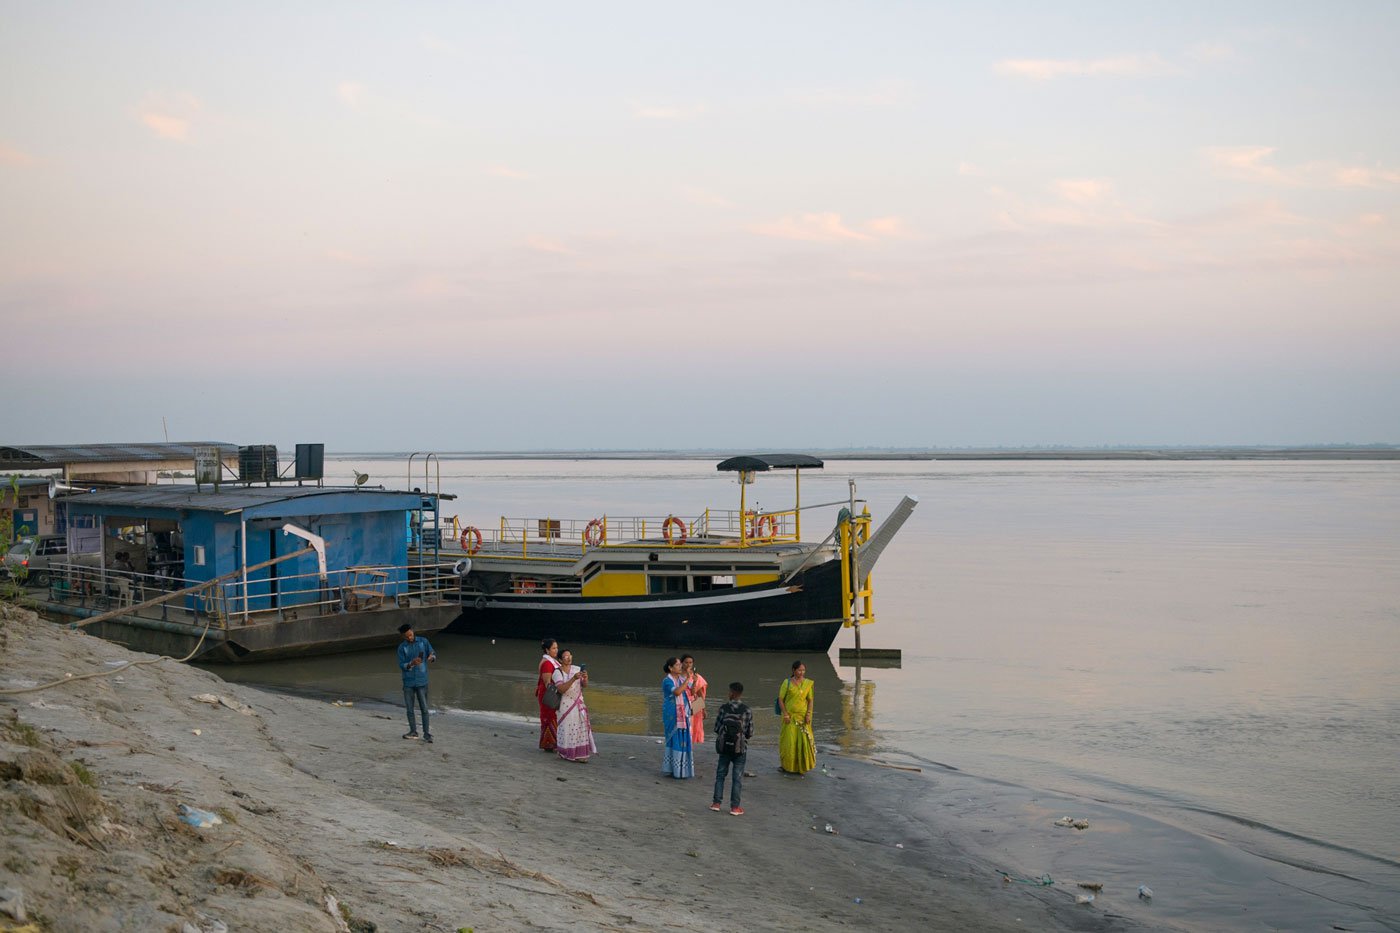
(1215, 644)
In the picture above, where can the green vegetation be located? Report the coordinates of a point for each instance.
(84, 775)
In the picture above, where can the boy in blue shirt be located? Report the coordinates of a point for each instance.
(414, 655)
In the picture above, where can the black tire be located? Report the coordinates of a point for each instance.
(39, 578)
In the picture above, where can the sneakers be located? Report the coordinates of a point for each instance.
(427, 738)
(736, 811)
(410, 735)
(716, 807)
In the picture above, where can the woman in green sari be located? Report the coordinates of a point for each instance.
(796, 749)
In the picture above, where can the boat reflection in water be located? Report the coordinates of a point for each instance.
(624, 691)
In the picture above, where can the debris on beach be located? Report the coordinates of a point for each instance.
(1071, 821)
(1091, 885)
(342, 702)
(220, 700)
(1084, 899)
(1144, 892)
(197, 731)
(200, 819)
(831, 829)
(12, 904)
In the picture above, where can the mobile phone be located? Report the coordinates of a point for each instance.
(583, 667)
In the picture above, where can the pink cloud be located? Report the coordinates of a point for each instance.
(9, 155)
(171, 116)
(1121, 66)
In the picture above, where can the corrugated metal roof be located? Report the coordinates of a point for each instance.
(39, 456)
(227, 499)
(762, 462)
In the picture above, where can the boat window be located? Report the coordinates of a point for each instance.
(762, 568)
(716, 582)
(625, 567)
(667, 584)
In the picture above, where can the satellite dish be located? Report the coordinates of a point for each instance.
(53, 486)
(360, 478)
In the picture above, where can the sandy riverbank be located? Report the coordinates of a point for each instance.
(478, 831)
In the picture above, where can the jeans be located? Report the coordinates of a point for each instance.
(421, 694)
(722, 768)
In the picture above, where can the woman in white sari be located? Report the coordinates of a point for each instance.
(575, 732)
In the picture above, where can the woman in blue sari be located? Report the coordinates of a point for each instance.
(677, 761)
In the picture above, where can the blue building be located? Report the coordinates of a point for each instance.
(197, 534)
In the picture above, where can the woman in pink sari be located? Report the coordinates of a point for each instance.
(696, 688)
(548, 721)
(575, 732)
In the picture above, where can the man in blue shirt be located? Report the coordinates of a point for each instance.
(414, 655)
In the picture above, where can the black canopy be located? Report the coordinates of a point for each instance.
(763, 462)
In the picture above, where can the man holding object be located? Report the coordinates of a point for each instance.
(414, 655)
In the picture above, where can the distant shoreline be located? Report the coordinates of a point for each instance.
(1144, 453)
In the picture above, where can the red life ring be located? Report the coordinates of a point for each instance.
(765, 520)
(674, 538)
(526, 586)
(593, 534)
(470, 533)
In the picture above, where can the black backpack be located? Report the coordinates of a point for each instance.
(731, 732)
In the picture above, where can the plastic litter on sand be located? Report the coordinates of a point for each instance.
(1144, 892)
(1084, 899)
(201, 819)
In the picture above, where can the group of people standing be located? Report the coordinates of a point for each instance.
(564, 729)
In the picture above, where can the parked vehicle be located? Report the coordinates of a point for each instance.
(30, 559)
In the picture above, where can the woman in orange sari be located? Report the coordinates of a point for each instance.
(548, 720)
(696, 688)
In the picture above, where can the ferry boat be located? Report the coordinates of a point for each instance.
(728, 579)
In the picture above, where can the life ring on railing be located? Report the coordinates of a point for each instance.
(674, 538)
(526, 586)
(765, 521)
(471, 533)
(593, 534)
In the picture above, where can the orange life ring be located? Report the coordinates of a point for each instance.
(526, 586)
(593, 534)
(674, 538)
(470, 533)
(765, 520)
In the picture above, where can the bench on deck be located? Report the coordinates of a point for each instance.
(366, 588)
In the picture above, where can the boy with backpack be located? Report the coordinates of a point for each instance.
(733, 729)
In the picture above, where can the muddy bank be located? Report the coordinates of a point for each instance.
(330, 821)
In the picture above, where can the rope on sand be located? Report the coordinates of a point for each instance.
(115, 670)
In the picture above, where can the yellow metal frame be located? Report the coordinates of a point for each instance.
(858, 599)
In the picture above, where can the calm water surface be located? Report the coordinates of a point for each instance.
(1213, 643)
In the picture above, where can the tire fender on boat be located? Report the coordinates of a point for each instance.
(673, 537)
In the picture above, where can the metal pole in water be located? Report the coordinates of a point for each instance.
(855, 572)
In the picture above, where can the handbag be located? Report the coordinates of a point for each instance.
(697, 705)
(551, 696)
(778, 706)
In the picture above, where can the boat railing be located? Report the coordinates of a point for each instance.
(552, 538)
(263, 597)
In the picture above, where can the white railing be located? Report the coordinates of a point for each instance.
(262, 598)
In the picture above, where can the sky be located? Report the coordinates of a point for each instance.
(501, 226)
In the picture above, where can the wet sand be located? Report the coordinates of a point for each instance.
(479, 830)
